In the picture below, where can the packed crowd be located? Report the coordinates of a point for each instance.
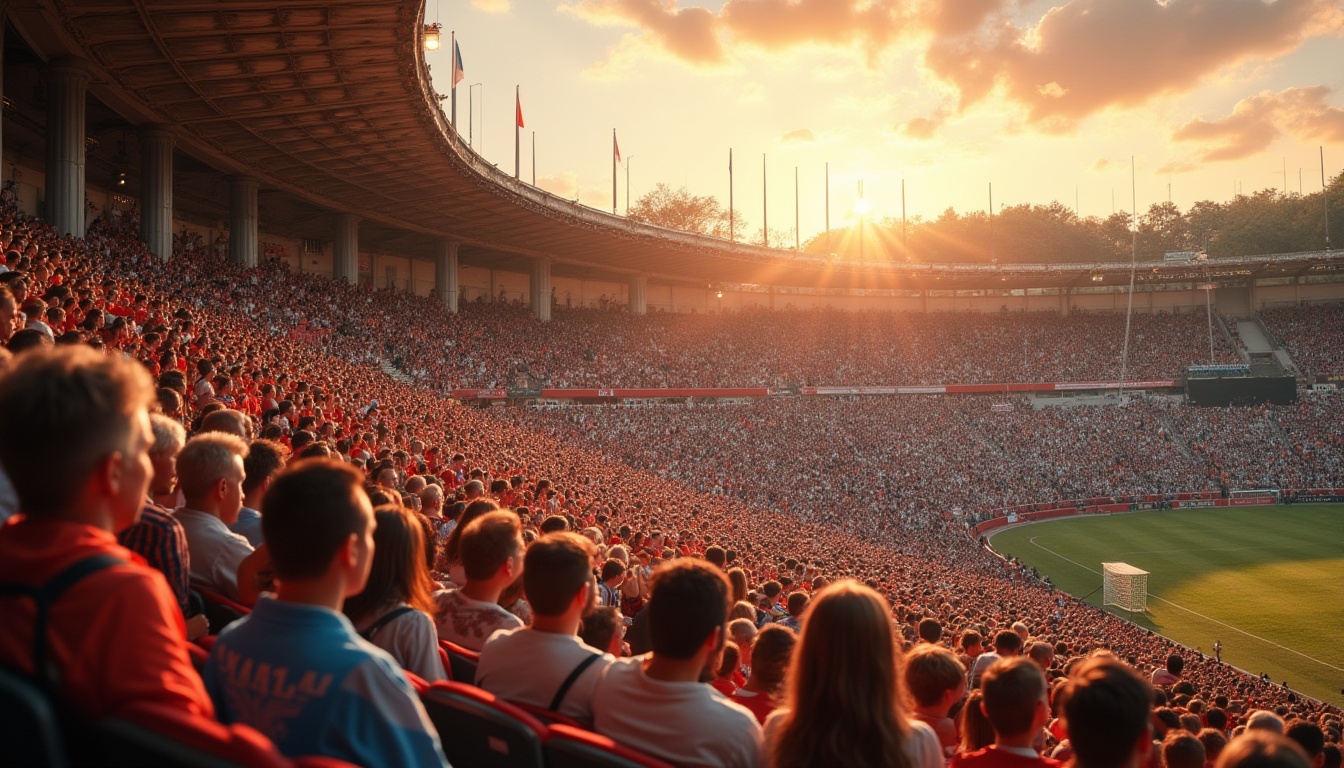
(492, 344)
(235, 399)
(1311, 333)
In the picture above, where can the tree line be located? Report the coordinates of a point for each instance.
(1268, 221)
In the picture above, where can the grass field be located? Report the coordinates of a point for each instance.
(1266, 581)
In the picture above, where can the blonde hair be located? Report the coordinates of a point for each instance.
(844, 700)
(205, 459)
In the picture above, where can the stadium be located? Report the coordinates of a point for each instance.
(245, 251)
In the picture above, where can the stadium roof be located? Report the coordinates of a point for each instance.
(329, 104)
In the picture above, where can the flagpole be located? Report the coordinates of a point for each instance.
(765, 207)
(1325, 197)
(828, 209)
(627, 184)
(452, 71)
(732, 214)
(518, 110)
(534, 158)
(613, 171)
(796, 241)
(904, 243)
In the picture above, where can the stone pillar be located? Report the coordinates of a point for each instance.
(639, 295)
(156, 190)
(345, 261)
(67, 79)
(445, 273)
(242, 220)
(540, 287)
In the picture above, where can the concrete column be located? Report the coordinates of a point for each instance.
(639, 295)
(345, 261)
(445, 273)
(156, 190)
(242, 221)
(540, 287)
(67, 79)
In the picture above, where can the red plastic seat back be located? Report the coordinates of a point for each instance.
(479, 730)
(570, 747)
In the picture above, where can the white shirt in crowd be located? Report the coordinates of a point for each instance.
(527, 666)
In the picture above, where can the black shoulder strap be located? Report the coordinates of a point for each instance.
(569, 681)
(384, 620)
(43, 596)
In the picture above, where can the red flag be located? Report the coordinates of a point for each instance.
(615, 146)
(519, 103)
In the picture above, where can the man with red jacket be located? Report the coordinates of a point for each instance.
(75, 438)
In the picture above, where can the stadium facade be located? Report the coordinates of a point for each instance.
(314, 130)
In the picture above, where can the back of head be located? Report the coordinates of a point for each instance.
(843, 686)
(1308, 736)
(930, 630)
(688, 601)
(555, 568)
(399, 572)
(488, 542)
(1182, 749)
(1012, 688)
(264, 459)
(1007, 643)
(930, 672)
(227, 420)
(62, 412)
(1264, 720)
(309, 512)
(1262, 749)
(771, 654)
(1106, 711)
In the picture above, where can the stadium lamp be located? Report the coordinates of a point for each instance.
(861, 207)
(432, 36)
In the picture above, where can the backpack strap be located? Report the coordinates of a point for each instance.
(43, 596)
(569, 681)
(384, 620)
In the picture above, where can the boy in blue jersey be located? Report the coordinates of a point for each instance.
(295, 669)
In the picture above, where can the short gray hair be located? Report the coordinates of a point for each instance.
(169, 435)
(205, 459)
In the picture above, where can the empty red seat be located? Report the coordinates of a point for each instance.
(479, 730)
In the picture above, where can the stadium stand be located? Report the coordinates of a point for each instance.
(796, 493)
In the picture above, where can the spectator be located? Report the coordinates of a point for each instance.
(1107, 709)
(1263, 749)
(612, 577)
(1310, 738)
(264, 461)
(1007, 644)
(158, 536)
(603, 629)
(1015, 700)
(1182, 750)
(771, 654)
(393, 610)
(976, 730)
(1170, 674)
(210, 468)
(845, 705)
(116, 636)
(936, 681)
(492, 559)
(658, 704)
(547, 665)
(329, 691)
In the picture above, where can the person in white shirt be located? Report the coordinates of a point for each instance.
(547, 665)
(492, 559)
(657, 704)
(210, 476)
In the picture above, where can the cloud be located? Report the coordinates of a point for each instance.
(1088, 55)
(1102, 164)
(492, 6)
(688, 33)
(565, 184)
(1177, 166)
(777, 24)
(800, 136)
(924, 127)
(1257, 121)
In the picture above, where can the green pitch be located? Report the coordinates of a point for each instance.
(1266, 581)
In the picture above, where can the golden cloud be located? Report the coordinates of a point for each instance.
(1255, 123)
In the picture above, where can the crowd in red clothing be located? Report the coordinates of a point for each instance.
(795, 493)
(1311, 333)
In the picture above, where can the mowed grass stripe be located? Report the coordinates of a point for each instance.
(1276, 573)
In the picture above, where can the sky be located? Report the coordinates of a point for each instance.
(1043, 101)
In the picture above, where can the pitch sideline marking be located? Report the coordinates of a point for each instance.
(1032, 541)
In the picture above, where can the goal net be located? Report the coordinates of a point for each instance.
(1125, 586)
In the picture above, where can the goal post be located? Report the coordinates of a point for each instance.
(1125, 586)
